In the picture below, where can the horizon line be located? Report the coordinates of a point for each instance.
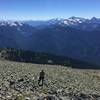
(21, 19)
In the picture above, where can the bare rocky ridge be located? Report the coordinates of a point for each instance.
(19, 81)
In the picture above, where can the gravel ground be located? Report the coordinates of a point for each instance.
(19, 81)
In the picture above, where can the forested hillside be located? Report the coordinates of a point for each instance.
(42, 58)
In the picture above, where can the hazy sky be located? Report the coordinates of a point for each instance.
(47, 9)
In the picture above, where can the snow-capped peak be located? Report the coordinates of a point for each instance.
(95, 20)
(76, 19)
(68, 21)
(10, 23)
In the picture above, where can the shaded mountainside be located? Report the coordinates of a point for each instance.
(55, 38)
(15, 35)
(67, 41)
(19, 81)
(43, 58)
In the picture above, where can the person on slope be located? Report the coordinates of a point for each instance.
(41, 77)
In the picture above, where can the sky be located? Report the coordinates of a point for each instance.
(48, 9)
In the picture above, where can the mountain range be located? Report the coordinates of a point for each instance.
(74, 37)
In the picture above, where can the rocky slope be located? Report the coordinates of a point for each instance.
(18, 81)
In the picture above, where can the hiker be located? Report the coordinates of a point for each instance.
(41, 77)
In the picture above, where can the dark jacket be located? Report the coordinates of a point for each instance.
(42, 74)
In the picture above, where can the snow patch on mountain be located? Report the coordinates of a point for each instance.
(11, 23)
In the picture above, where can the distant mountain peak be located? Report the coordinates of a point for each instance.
(73, 17)
(95, 19)
(11, 23)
